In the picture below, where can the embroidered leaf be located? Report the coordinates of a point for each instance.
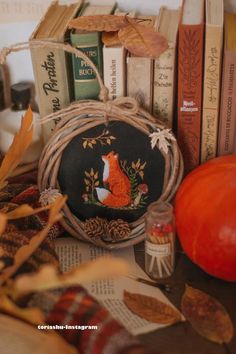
(142, 40)
(112, 137)
(87, 174)
(207, 316)
(99, 23)
(109, 141)
(90, 145)
(141, 174)
(85, 144)
(96, 183)
(93, 142)
(111, 39)
(143, 166)
(92, 172)
(86, 181)
(30, 315)
(48, 277)
(160, 139)
(96, 175)
(151, 309)
(20, 144)
(24, 252)
(133, 165)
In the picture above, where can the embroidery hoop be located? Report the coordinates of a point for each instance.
(82, 115)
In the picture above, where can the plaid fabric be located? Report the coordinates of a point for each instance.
(13, 238)
(71, 306)
(20, 231)
(76, 307)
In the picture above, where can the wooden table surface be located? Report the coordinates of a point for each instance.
(181, 338)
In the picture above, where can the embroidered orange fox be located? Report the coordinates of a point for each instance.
(119, 193)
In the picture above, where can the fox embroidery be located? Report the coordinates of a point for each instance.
(119, 193)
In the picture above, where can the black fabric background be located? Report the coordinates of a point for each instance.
(130, 144)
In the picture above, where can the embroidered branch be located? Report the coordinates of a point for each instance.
(103, 139)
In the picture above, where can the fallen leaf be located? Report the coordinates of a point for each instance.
(142, 40)
(20, 144)
(48, 277)
(24, 252)
(30, 315)
(111, 39)
(151, 309)
(3, 222)
(106, 23)
(207, 316)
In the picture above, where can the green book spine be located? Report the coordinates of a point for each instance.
(86, 85)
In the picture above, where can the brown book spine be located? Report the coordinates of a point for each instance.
(190, 71)
(227, 122)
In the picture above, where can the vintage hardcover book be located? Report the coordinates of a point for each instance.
(52, 68)
(227, 123)
(190, 72)
(85, 82)
(114, 67)
(165, 67)
(212, 78)
(140, 75)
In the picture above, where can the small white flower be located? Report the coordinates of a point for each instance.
(161, 138)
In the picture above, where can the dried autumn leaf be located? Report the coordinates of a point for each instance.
(106, 23)
(151, 309)
(24, 252)
(20, 144)
(48, 278)
(25, 210)
(30, 315)
(207, 316)
(3, 222)
(111, 39)
(141, 40)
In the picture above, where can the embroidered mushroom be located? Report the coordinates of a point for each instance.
(142, 189)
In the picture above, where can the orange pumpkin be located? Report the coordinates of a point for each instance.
(206, 216)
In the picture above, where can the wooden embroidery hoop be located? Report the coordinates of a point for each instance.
(80, 116)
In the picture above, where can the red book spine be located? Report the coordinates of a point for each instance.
(190, 73)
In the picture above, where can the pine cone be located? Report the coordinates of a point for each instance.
(117, 230)
(95, 227)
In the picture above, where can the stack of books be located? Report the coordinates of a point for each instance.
(191, 87)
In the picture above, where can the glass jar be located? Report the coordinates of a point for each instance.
(160, 240)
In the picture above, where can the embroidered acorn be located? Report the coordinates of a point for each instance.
(116, 230)
(95, 227)
(142, 189)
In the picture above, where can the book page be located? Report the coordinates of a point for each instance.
(110, 292)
